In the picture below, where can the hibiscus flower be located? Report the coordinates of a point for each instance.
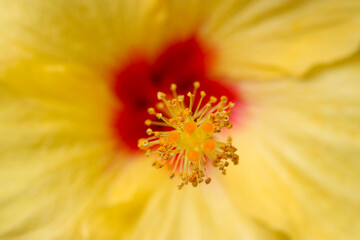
(77, 78)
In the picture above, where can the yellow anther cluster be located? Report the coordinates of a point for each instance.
(189, 146)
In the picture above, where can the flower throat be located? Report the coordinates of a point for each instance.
(138, 80)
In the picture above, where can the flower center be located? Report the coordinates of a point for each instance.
(137, 82)
(188, 145)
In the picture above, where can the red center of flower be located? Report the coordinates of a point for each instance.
(137, 83)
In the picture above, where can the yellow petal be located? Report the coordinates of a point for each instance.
(299, 154)
(151, 207)
(255, 39)
(270, 39)
(54, 149)
(98, 34)
(87, 32)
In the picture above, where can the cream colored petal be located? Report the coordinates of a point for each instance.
(142, 203)
(255, 39)
(95, 33)
(55, 151)
(299, 148)
(269, 39)
(100, 34)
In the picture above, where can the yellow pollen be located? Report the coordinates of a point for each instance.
(209, 146)
(151, 110)
(147, 122)
(196, 84)
(143, 143)
(189, 148)
(173, 87)
(194, 156)
(160, 106)
(190, 127)
(149, 131)
(207, 127)
(213, 99)
(161, 95)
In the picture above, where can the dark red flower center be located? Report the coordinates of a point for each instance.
(137, 83)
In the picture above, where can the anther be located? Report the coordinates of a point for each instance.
(224, 99)
(208, 180)
(196, 84)
(143, 143)
(147, 122)
(213, 99)
(160, 105)
(149, 131)
(151, 111)
(161, 95)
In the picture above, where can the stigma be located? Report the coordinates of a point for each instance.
(190, 145)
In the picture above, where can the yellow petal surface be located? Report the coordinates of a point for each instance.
(152, 208)
(299, 154)
(255, 39)
(54, 150)
(269, 39)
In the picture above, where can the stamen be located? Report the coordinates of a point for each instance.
(202, 94)
(196, 86)
(148, 122)
(173, 90)
(189, 146)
